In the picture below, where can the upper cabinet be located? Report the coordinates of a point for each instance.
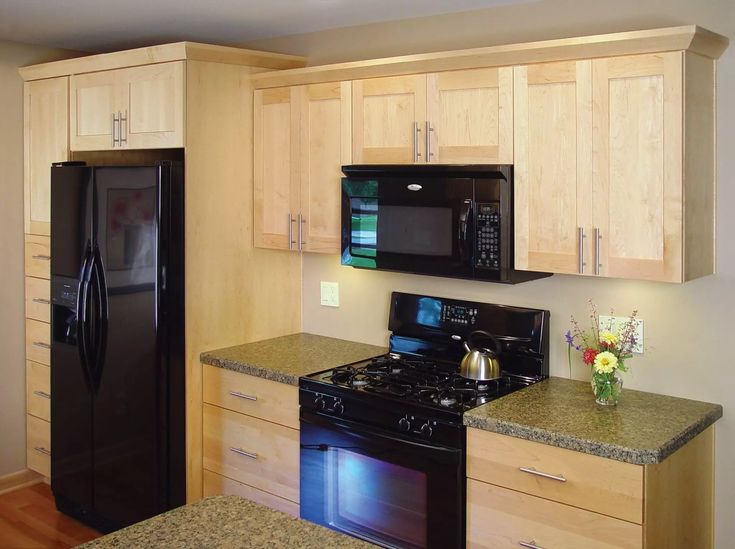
(302, 139)
(449, 117)
(46, 140)
(609, 179)
(134, 108)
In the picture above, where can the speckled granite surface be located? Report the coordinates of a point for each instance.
(285, 358)
(225, 522)
(643, 428)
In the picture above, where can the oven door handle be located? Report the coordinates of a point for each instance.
(364, 432)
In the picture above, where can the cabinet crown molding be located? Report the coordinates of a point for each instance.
(163, 53)
(689, 38)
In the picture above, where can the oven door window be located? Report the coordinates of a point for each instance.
(374, 499)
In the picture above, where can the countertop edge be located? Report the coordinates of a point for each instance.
(250, 369)
(636, 456)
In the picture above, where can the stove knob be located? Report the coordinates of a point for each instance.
(426, 430)
(319, 402)
(338, 408)
(404, 424)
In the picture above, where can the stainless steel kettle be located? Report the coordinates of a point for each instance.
(480, 363)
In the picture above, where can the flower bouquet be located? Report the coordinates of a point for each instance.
(605, 350)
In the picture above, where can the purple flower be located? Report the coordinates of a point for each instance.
(569, 338)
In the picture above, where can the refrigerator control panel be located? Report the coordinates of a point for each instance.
(64, 291)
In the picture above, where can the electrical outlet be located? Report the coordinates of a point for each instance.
(329, 294)
(615, 324)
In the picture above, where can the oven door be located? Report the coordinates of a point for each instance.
(376, 486)
(419, 225)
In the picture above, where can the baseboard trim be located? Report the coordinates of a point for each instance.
(19, 479)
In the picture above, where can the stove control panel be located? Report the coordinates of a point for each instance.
(458, 315)
(487, 236)
(329, 404)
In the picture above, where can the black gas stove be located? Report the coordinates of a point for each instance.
(382, 440)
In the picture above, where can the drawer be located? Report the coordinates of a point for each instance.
(38, 256)
(603, 485)
(38, 445)
(499, 518)
(38, 390)
(38, 341)
(255, 396)
(38, 304)
(216, 485)
(259, 453)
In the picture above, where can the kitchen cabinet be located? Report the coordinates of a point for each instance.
(524, 492)
(46, 140)
(608, 179)
(251, 438)
(38, 445)
(132, 108)
(38, 390)
(452, 117)
(302, 139)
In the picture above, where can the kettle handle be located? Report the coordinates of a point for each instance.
(471, 347)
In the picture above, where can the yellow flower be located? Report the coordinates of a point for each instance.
(605, 362)
(609, 338)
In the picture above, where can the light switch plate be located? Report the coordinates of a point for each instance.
(615, 324)
(329, 294)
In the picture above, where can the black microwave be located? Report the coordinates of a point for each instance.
(441, 220)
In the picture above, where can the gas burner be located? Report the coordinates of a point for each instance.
(447, 401)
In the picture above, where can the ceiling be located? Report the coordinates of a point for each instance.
(106, 25)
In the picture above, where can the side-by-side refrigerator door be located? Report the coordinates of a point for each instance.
(129, 451)
(71, 385)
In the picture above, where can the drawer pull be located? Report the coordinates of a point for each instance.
(244, 453)
(41, 301)
(42, 394)
(42, 257)
(530, 544)
(533, 471)
(42, 344)
(41, 450)
(243, 395)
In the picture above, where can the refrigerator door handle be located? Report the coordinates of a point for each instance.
(102, 312)
(81, 312)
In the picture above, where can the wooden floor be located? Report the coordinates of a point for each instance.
(28, 518)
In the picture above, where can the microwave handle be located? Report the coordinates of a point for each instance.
(464, 220)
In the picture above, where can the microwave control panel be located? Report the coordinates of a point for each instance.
(487, 236)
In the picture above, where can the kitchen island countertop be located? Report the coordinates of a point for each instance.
(644, 428)
(284, 359)
(224, 522)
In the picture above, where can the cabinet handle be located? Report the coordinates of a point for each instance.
(530, 544)
(598, 237)
(291, 241)
(42, 394)
(41, 301)
(42, 257)
(42, 344)
(427, 138)
(242, 452)
(533, 471)
(301, 222)
(580, 250)
(123, 136)
(115, 129)
(243, 395)
(416, 153)
(42, 450)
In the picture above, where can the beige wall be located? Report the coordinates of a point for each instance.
(688, 327)
(12, 367)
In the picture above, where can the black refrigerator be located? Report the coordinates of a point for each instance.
(117, 342)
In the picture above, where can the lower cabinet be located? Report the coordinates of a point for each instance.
(254, 454)
(38, 445)
(526, 494)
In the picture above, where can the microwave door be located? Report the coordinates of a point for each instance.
(418, 226)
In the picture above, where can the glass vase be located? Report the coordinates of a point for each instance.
(607, 388)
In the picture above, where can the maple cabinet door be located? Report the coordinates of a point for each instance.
(276, 175)
(637, 139)
(470, 116)
(553, 167)
(326, 140)
(388, 120)
(94, 102)
(46, 104)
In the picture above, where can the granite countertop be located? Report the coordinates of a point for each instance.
(224, 522)
(285, 358)
(643, 428)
